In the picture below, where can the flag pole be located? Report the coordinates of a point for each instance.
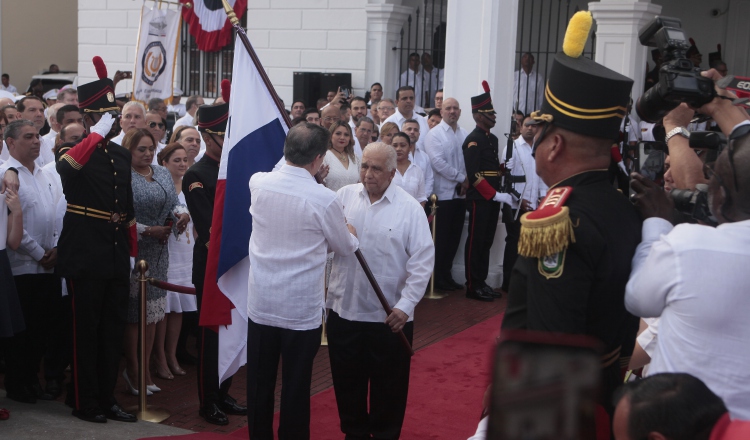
(253, 56)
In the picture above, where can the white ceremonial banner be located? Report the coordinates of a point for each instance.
(156, 54)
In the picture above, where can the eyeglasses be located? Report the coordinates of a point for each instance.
(390, 109)
(329, 119)
(154, 124)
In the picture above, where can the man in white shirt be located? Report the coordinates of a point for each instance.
(412, 128)
(528, 86)
(405, 110)
(430, 80)
(54, 126)
(295, 223)
(68, 96)
(191, 106)
(410, 76)
(386, 108)
(175, 106)
(133, 116)
(443, 145)
(7, 86)
(32, 264)
(530, 188)
(363, 344)
(31, 108)
(694, 276)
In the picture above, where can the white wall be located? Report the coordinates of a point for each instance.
(309, 35)
(108, 28)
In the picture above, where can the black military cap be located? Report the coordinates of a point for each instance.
(213, 118)
(581, 95)
(98, 96)
(483, 103)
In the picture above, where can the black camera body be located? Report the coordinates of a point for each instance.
(694, 203)
(679, 80)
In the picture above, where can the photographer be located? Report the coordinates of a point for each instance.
(693, 276)
(686, 168)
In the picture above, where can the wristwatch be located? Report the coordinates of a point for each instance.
(682, 131)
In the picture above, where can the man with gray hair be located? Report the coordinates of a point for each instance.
(295, 222)
(363, 343)
(133, 116)
(191, 106)
(68, 96)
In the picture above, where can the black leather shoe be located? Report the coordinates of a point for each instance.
(478, 295)
(491, 292)
(230, 406)
(94, 415)
(212, 414)
(117, 413)
(455, 285)
(442, 285)
(40, 393)
(53, 388)
(22, 394)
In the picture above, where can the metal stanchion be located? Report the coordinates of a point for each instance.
(145, 412)
(432, 294)
(323, 335)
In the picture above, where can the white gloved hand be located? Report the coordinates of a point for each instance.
(622, 167)
(503, 198)
(103, 127)
(132, 264)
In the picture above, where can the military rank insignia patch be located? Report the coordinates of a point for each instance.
(195, 185)
(471, 144)
(551, 266)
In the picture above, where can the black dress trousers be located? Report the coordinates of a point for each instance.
(483, 217)
(368, 355)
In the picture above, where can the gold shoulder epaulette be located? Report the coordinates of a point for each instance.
(548, 230)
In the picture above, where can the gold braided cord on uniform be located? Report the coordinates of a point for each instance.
(66, 157)
(569, 110)
(492, 110)
(539, 116)
(546, 236)
(101, 110)
(213, 132)
(131, 222)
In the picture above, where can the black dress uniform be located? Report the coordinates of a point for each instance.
(480, 150)
(575, 250)
(199, 187)
(96, 243)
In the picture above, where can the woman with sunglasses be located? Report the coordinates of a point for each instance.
(157, 127)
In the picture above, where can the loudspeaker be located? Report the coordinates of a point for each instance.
(306, 88)
(332, 81)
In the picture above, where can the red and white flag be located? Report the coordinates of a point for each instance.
(208, 23)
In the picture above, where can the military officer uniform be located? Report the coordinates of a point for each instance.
(575, 250)
(97, 240)
(480, 150)
(199, 187)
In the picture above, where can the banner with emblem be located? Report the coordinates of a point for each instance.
(156, 54)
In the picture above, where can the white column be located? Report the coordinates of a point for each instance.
(617, 46)
(384, 23)
(480, 45)
(737, 53)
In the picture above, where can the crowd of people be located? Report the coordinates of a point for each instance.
(91, 184)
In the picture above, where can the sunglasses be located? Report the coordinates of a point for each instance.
(154, 124)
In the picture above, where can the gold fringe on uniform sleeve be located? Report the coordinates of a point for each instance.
(545, 236)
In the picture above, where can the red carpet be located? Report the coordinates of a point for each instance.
(448, 380)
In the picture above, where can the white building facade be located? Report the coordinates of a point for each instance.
(483, 41)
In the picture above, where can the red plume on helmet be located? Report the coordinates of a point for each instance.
(486, 86)
(101, 69)
(226, 87)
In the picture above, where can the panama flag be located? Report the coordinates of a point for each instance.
(254, 141)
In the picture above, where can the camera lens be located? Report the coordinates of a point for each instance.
(651, 106)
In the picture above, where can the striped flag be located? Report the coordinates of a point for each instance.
(254, 141)
(208, 23)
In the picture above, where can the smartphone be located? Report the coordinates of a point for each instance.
(345, 91)
(544, 386)
(128, 74)
(650, 163)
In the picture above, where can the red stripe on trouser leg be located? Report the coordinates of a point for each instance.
(470, 237)
(75, 346)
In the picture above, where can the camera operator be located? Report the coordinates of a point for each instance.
(693, 276)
